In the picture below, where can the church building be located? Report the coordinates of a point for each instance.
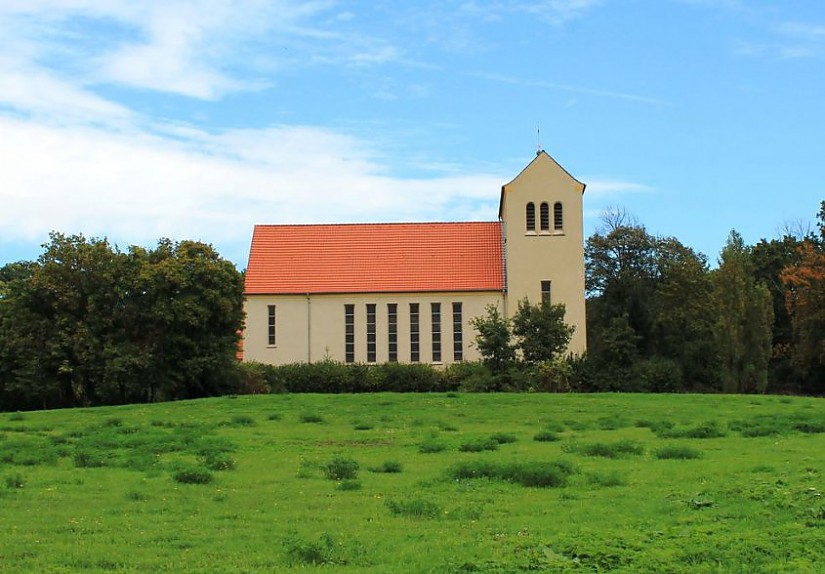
(407, 292)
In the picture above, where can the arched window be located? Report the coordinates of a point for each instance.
(544, 216)
(558, 217)
(531, 217)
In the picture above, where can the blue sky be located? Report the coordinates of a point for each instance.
(197, 119)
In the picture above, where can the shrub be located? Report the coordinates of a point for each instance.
(218, 461)
(88, 459)
(242, 421)
(363, 426)
(608, 479)
(709, 429)
(15, 481)
(545, 436)
(470, 376)
(274, 417)
(618, 449)
(410, 378)
(18, 416)
(503, 438)
(192, 475)
(552, 376)
(479, 445)
(349, 485)
(299, 551)
(311, 418)
(415, 508)
(659, 375)
(431, 446)
(538, 474)
(341, 468)
(389, 467)
(681, 452)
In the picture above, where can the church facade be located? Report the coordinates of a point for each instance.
(407, 292)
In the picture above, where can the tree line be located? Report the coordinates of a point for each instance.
(89, 324)
(660, 319)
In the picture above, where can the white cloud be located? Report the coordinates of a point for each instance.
(600, 188)
(135, 187)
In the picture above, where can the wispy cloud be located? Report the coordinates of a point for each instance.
(505, 79)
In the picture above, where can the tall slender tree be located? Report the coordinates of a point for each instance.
(743, 328)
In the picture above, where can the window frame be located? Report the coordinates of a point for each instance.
(271, 323)
(458, 332)
(349, 333)
(435, 317)
(530, 217)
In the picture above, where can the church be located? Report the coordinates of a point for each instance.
(407, 292)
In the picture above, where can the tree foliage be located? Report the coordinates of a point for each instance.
(805, 303)
(89, 324)
(743, 329)
(493, 340)
(540, 331)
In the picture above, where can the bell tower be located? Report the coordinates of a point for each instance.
(542, 223)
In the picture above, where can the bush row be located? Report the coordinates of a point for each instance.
(573, 374)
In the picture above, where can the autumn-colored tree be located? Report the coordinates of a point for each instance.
(805, 301)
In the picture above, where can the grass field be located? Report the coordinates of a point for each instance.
(418, 483)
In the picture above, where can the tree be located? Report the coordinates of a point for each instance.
(770, 259)
(88, 324)
(655, 292)
(805, 301)
(493, 340)
(683, 315)
(743, 329)
(540, 330)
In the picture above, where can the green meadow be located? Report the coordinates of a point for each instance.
(450, 482)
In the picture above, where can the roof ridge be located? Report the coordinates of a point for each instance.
(377, 223)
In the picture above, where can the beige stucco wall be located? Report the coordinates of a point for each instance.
(311, 327)
(533, 257)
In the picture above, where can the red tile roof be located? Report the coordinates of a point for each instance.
(375, 258)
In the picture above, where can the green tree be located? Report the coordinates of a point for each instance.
(88, 324)
(493, 340)
(683, 315)
(540, 331)
(770, 259)
(745, 316)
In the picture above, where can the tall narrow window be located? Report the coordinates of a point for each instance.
(436, 321)
(531, 217)
(414, 340)
(349, 333)
(392, 332)
(458, 333)
(544, 216)
(546, 295)
(271, 324)
(558, 217)
(370, 332)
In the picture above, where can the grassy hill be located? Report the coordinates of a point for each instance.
(418, 483)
